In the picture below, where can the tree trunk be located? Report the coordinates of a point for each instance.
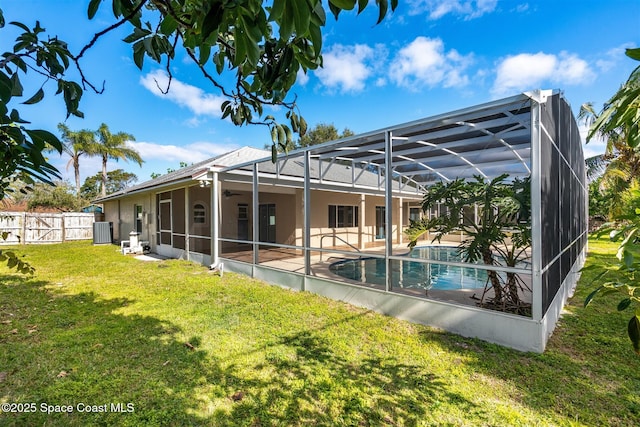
(512, 289)
(76, 170)
(104, 175)
(487, 258)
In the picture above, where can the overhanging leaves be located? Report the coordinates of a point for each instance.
(633, 330)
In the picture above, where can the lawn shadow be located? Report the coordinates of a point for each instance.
(588, 373)
(304, 381)
(76, 350)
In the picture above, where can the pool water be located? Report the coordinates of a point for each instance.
(410, 274)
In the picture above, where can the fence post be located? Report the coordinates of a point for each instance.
(23, 239)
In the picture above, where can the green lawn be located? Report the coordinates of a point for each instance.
(185, 347)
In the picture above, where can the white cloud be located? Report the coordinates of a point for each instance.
(424, 62)
(346, 68)
(190, 153)
(191, 97)
(612, 57)
(436, 9)
(302, 78)
(531, 71)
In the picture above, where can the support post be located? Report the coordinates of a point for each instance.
(187, 203)
(536, 213)
(306, 197)
(215, 220)
(388, 212)
(254, 208)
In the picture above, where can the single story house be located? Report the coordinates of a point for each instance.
(302, 221)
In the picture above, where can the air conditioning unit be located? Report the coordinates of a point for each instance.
(102, 233)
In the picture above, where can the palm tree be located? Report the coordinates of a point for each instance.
(503, 229)
(113, 146)
(75, 144)
(619, 165)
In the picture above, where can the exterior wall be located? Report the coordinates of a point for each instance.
(319, 223)
(229, 218)
(286, 215)
(111, 213)
(190, 239)
(361, 236)
(121, 213)
(290, 218)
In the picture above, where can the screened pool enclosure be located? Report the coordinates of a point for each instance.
(331, 218)
(341, 205)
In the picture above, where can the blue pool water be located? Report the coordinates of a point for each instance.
(411, 274)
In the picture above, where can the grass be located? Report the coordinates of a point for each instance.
(185, 347)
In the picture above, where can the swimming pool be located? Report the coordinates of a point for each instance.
(411, 274)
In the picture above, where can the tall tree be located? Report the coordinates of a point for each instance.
(75, 144)
(617, 124)
(116, 180)
(620, 117)
(113, 146)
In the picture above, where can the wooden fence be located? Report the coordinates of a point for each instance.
(28, 227)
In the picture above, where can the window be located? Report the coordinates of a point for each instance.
(243, 211)
(343, 216)
(414, 214)
(199, 214)
(138, 218)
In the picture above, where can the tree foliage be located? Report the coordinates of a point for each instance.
(503, 228)
(619, 120)
(61, 196)
(263, 43)
(117, 180)
(112, 146)
(21, 147)
(22, 161)
(623, 278)
(618, 124)
(322, 132)
(75, 144)
(601, 200)
(154, 175)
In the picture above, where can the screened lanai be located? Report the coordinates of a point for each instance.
(330, 218)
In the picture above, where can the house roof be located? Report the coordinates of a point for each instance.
(239, 156)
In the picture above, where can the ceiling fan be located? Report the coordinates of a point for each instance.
(228, 193)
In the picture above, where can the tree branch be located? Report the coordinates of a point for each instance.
(96, 36)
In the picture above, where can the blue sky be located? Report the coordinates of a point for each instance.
(427, 58)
